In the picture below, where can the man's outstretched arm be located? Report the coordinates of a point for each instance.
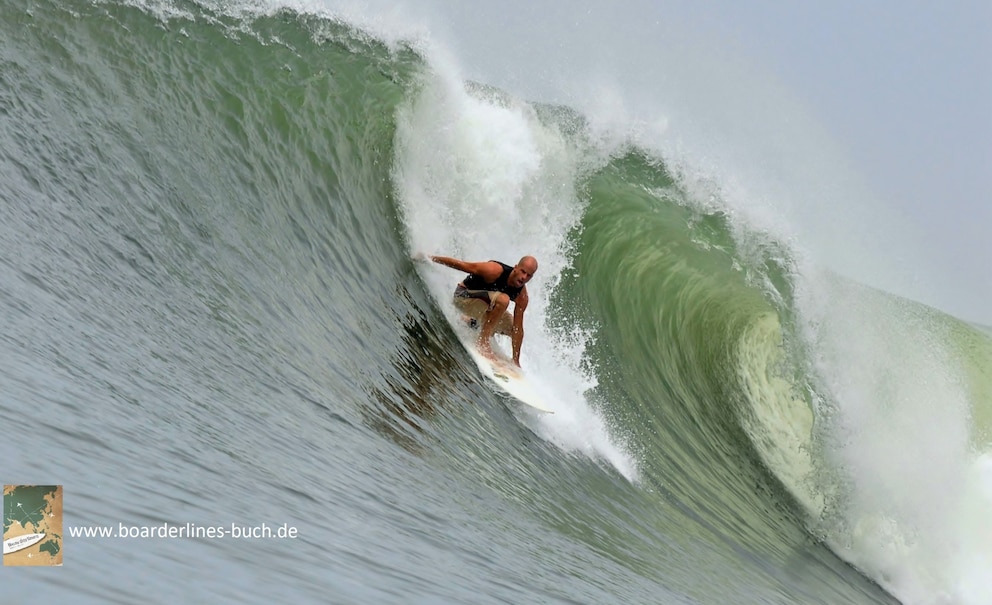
(488, 270)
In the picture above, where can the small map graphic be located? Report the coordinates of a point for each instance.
(32, 525)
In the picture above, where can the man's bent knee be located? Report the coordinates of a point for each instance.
(500, 302)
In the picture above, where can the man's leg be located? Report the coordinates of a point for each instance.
(474, 308)
(492, 320)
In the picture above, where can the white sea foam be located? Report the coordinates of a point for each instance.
(480, 177)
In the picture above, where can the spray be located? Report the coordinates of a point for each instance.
(480, 176)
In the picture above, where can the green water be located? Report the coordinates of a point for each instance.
(208, 216)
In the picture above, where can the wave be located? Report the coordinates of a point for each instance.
(235, 193)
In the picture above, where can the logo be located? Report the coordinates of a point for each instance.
(32, 525)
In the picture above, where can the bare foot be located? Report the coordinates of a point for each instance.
(486, 350)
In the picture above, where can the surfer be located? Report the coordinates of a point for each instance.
(485, 294)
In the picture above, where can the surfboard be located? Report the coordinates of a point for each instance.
(21, 542)
(507, 377)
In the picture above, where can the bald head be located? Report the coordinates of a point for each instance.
(521, 274)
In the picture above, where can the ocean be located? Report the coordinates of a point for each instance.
(213, 319)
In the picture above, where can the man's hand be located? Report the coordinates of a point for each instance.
(421, 257)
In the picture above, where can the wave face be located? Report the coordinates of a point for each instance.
(213, 318)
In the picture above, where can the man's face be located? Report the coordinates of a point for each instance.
(521, 274)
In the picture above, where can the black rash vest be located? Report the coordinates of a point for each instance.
(475, 282)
